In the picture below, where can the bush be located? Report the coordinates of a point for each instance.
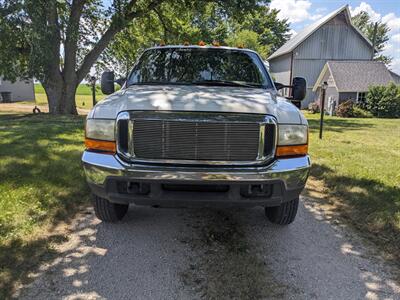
(313, 107)
(345, 109)
(384, 102)
(359, 112)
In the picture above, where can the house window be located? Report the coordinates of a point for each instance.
(361, 97)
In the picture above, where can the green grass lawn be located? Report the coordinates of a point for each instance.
(356, 166)
(41, 183)
(83, 96)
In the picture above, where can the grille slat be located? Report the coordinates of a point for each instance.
(192, 140)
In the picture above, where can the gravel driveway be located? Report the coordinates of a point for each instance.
(212, 254)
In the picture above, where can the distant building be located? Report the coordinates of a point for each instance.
(351, 79)
(332, 38)
(21, 90)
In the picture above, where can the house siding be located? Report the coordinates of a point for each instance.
(280, 68)
(21, 90)
(331, 91)
(335, 40)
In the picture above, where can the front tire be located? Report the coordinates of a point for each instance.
(283, 214)
(107, 211)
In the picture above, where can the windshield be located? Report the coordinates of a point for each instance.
(200, 66)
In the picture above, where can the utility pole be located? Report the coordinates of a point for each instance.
(374, 40)
(324, 86)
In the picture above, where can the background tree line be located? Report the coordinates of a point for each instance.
(58, 42)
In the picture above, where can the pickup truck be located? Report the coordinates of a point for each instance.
(197, 126)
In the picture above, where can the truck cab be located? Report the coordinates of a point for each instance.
(197, 126)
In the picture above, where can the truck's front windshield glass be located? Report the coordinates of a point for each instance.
(200, 66)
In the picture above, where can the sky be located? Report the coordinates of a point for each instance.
(302, 13)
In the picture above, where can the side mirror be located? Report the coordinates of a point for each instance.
(299, 88)
(279, 86)
(120, 81)
(107, 83)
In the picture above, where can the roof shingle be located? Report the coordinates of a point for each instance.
(357, 76)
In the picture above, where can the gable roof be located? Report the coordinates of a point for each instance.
(396, 77)
(291, 44)
(356, 76)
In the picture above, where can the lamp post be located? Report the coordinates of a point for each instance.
(93, 82)
(324, 86)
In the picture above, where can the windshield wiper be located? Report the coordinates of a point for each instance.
(226, 83)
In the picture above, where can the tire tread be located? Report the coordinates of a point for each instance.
(283, 214)
(107, 211)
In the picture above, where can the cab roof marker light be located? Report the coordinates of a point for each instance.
(202, 43)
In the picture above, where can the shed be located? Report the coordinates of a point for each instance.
(21, 89)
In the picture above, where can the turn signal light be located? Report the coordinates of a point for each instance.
(297, 150)
(104, 146)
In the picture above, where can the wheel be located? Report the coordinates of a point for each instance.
(283, 214)
(107, 211)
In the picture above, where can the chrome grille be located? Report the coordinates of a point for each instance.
(196, 140)
(204, 138)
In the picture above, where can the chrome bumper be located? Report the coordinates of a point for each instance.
(293, 172)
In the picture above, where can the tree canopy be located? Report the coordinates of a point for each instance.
(363, 21)
(258, 29)
(59, 41)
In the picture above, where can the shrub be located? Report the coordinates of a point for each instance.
(313, 107)
(359, 112)
(384, 101)
(345, 109)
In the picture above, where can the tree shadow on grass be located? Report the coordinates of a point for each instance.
(369, 205)
(339, 125)
(41, 174)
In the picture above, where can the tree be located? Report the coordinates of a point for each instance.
(170, 23)
(249, 39)
(363, 22)
(272, 31)
(58, 41)
(258, 28)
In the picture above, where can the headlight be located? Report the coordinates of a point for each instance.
(100, 129)
(292, 135)
(100, 135)
(292, 140)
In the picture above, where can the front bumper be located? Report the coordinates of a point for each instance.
(284, 179)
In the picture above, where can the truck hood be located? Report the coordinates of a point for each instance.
(197, 98)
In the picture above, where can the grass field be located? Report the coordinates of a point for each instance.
(41, 183)
(355, 169)
(83, 95)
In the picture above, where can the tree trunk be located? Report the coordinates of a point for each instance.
(61, 97)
